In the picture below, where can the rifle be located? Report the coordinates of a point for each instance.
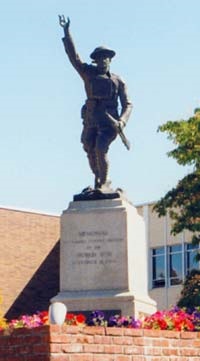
(119, 131)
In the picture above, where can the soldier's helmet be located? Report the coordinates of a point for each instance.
(102, 50)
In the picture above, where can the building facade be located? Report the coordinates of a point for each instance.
(29, 261)
(170, 258)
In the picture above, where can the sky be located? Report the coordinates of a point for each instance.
(157, 54)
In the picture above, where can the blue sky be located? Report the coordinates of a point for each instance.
(42, 161)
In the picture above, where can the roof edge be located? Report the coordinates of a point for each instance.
(33, 211)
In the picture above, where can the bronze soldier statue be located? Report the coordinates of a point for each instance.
(101, 119)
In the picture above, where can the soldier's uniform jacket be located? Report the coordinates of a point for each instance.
(103, 91)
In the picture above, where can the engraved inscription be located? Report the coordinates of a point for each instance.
(94, 247)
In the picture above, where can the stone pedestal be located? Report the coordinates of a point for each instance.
(103, 258)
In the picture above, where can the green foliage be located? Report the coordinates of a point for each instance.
(190, 295)
(185, 134)
(183, 201)
(183, 205)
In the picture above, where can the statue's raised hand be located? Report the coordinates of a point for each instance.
(65, 24)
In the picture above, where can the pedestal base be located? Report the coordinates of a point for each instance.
(124, 302)
(103, 258)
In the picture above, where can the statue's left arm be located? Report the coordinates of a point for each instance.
(126, 104)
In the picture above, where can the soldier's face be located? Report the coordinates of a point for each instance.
(103, 64)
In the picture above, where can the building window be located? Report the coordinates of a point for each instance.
(172, 263)
(158, 266)
(175, 264)
(190, 262)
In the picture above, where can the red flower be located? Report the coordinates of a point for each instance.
(163, 324)
(44, 317)
(80, 318)
(69, 316)
(70, 319)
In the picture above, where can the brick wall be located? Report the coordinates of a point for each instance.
(26, 345)
(29, 260)
(72, 343)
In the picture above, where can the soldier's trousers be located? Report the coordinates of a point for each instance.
(96, 141)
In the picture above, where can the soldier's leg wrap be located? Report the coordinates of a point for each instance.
(93, 162)
(88, 139)
(104, 139)
(102, 166)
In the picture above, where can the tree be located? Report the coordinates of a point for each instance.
(190, 294)
(183, 201)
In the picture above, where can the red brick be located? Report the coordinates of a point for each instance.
(71, 330)
(41, 348)
(103, 339)
(65, 338)
(55, 338)
(36, 358)
(114, 331)
(122, 340)
(189, 352)
(153, 351)
(42, 330)
(113, 349)
(142, 341)
(94, 330)
(81, 357)
(76, 348)
(123, 358)
(195, 343)
(180, 358)
(103, 357)
(11, 358)
(25, 349)
(188, 335)
(21, 332)
(135, 332)
(55, 347)
(185, 343)
(133, 350)
(93, 348)
(160, 358)
(159, 342)
(4, 340)
(169, 334)
(171, 351)
(151, 333)
(60, 358)
(57, 329)
(175, 342)
(84, 339)
(31, 339)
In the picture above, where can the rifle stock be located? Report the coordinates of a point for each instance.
(119, 131)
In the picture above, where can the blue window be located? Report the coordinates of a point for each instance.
(175, 254)
(190, 261)
(158, 267)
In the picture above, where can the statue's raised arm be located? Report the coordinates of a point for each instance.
(65, 24)
(69, 44)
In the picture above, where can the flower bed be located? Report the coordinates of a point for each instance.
(175, 319)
